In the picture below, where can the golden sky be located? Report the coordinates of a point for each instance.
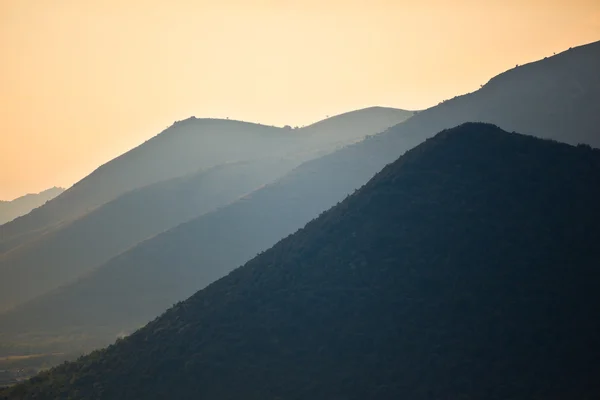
(82, 81)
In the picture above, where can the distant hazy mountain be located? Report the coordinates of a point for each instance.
(184, 148)
(449, 275)
(10, 210)
(134, 287)
(64, 253)
(344, 128)
(193, 255)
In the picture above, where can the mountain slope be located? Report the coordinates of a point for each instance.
(61, 256)
(554, 98)
(449, 275)
(10, 210)
(191, 256)
(184, 148)
(158, 272)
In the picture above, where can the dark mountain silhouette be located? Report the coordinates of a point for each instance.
(157, 273)
(64, 254)
(10, 210)
(184, 148)
(466, 269)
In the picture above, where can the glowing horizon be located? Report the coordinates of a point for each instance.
(85, 81)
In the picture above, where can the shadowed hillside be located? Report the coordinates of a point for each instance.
(449, 275)
(10, 210)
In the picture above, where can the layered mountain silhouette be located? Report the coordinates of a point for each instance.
(63, 253)
(146, 279)
(77, 247)
(10, 210)
(135, 286)
(554, 98)
(465, 269)
(186, 147)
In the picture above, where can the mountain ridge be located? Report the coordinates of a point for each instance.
(235, 233)
(91, 240)
(447, 274)
(60, 255)
(177, 147)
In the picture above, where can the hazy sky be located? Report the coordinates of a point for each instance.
(82, 81)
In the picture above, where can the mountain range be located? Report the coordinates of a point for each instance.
(186, 147)
(465, 269)
(88, 241)
(58, 254)
(128, 290)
